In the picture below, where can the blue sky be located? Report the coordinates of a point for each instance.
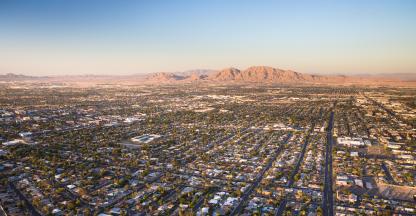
(60, 37)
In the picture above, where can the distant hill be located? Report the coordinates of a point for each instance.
(165, 77)
(191, 75)
(18, 77)
(400, 76)
(196, 72)
(263, 74)
(254, 74)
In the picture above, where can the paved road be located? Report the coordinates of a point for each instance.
(282, 207)
(201, 200)
(389, 177)
(389, 111)
(250, 190)
(2, 212)
(299, 162)
(209, 146)
(282, 204)
(32, 210)
(328, 205)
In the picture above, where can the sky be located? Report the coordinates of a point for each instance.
(72, 37)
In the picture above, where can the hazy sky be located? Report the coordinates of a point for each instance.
(61, 37)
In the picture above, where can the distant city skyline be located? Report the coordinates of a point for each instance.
(132, 37)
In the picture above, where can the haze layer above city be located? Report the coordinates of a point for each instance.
(207, 108)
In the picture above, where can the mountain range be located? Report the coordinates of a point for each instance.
(18, 77)
(265, 74)
(254, 74)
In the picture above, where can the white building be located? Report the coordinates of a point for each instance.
(351, 142)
